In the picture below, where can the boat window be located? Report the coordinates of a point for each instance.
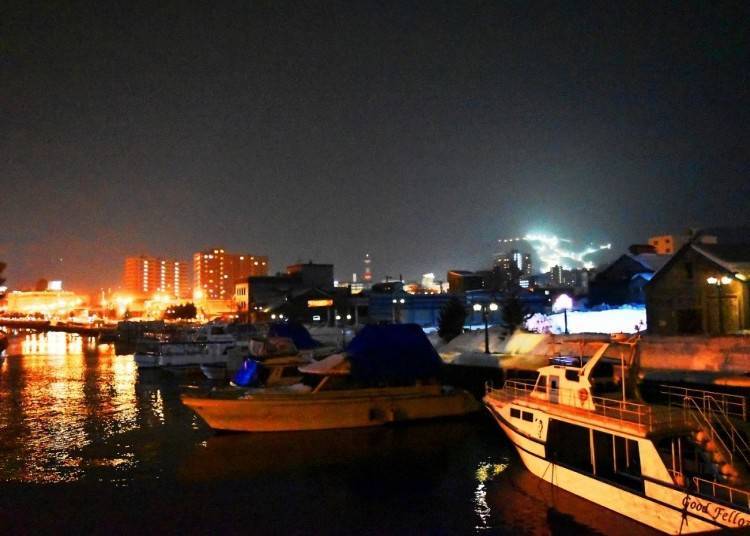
(572, 375)
(683, 454)
(217, 331)
(603, 369)
(616, 459)
(515, 412)
(569, 445)
(541, 385)
(528, 416)
(603, 379)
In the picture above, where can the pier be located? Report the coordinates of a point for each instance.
(66, 327)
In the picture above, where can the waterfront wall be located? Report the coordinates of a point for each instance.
(527, 351)
(728, 355)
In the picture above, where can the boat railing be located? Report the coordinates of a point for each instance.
(713, 412)
(723, 492)
(720, 429)
(621, 411)
(731, 405)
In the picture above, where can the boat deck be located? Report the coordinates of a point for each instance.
(630, 417)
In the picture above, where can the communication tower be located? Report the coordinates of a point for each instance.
(367, 276)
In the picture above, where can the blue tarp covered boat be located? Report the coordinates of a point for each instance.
(394, 352)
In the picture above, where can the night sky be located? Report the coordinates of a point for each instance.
(420, 132)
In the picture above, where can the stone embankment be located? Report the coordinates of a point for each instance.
(701, 359)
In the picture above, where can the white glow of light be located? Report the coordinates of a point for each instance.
(555, 251)
(622, 320)
(562, 303)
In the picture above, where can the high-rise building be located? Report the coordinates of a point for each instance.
(215, 272)
(145, 276)
(513, 265)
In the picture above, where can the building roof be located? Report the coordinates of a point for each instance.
(633, 265)
(652, 262)
(723, 235)
(733, 258)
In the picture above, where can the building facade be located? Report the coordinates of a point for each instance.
(215, 272)
(624, 280)
(514, 264)
(51, 303)
(145, 276)
(702, 289)
(256, 296)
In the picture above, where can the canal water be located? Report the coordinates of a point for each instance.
(90, 445)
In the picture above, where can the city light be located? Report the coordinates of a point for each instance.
(555, 251)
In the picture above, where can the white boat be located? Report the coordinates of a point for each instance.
(277, 359)
(332, 396)
(680, 467)
(210, 345)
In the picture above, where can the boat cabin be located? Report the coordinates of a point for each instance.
(575, 381)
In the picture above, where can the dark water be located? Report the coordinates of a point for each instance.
(90, 445)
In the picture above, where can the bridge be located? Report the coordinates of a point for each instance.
(91, 330)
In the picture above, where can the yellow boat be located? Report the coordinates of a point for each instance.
(336, 393)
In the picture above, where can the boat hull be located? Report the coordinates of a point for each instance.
(215, 371)
(143, 361)
(661, 506)
(179, 359)
(330, 410)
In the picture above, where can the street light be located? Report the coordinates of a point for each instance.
(563, 303)
(719, 283)
(397, 303)
(484, 308)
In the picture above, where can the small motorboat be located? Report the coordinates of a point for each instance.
(387, 374)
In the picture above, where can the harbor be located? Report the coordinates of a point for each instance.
(78, 420)
(375, 268)
(92, 444)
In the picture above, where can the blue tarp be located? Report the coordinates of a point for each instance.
(297, 332)
(395, 352)
(247, 373)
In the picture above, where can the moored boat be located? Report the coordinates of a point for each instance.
(386, 375)
(210, 345)
(274, 361)
(680, 467)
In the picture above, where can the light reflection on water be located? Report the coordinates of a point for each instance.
(486, 470)
(59, 392)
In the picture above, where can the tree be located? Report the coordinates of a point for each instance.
(451, 319)
(183, 312)
(513, 311)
